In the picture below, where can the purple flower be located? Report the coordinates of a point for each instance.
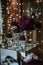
(22, 23)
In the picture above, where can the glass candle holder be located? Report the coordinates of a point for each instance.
(9, 39)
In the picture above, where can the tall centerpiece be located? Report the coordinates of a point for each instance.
(25, 23)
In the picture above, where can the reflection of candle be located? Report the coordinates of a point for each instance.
(30, 39)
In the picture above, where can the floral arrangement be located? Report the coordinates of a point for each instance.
(23, 22)
(26, 23)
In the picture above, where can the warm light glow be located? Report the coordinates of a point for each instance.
(10, 17)
(37, 1)
(8, 21)
(13, 3)
(13, 18)
(11, 28)
(7, 8)
(8, 28)
(42, 41)
(20, 4)
(17, 15)
(19, 10)
(7, 3)
(30, 32)
(9, 25)
(23, 10)
(8, 12)
(30, 39)
(40, 21)
(17, 3)
(9, 0)
(39, 31)
(14, 8)
(26, 10)
(37, 42)
(3, 25)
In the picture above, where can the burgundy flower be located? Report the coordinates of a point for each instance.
(22, 23)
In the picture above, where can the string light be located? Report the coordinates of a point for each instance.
(19, 10)
(37, 1)
(10, 17)
(9, 25)
(22, 3)
(8, 21)
(30, 39)
(30, 32)
(39, 13)
(13, 13)
(9, 0)
(17, 15)
(11, 28)
(26, 10)
(8, 12)
(23, 10)
(13, 3)
(15, 8)
(8, 28)
(40, 0)
(13, 18)
(2, 5)
(10, 7)
(19, 3)
(7, 3)
(40, 21)
(42, 41)
(7, 8)
(37, 42)
(3, 25)
(39, 31)
(4, 39)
